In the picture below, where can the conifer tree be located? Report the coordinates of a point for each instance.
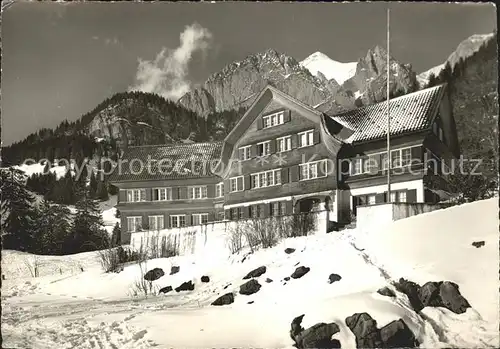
(93, 185)
(116, 235)
(18, 213)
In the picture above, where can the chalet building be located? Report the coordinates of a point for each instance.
(285, 157)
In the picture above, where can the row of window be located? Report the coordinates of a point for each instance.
(277, 208)
(165, 194)
(283, 144)
(309, 170)
(370, 199)
(399, 158)
(134, 223)
(273, 119)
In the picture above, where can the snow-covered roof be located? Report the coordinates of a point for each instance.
(409, 113)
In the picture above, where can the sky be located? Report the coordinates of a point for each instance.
(59, 60)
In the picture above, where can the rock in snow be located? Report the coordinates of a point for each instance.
(256, 272)
(165, 289)
(365, 329)
(154, 274)
(228, 298)
(174, 270)
(205, 278)
(185, 286)
(250, 287)
(289, 250)
(386, 291)
(299, 272)
(334, 277)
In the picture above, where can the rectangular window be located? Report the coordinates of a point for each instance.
(402, 196)
(383, 159)
(136, 195)
(357, 166)
(306, 138)
(283, 208)
(371, 199)
(405, 157)
(156, 223)
(162, 194)
(236, 184)
(264, 148)
(393, 196)
(178, 221)
(134, 224)
(274, 209)
(219, 190)
(284, 144)
(200, 218)
(310, 170)
(198, 192)
(253, 211)
(265, 179)
(273, 119)
(244, 153)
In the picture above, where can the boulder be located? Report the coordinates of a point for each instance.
(205, 278)
(251, 302)
(228, 298)
(256, 272)
(165, 289)
(289, 250)
(365, 330)
(250, 287)
(174, 270)
(386, 291)
(478, 244)
(229, 284)
(411, 289)
(185, 286)
(286, 278)
(295, 327)
(452, 299)
(319, 336)
(397, 335)
(429, 294)
(154, 274)
(299, 272)
(268, 280)
(333, 278)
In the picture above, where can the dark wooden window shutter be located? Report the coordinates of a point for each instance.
(295, 140)
(379, 198)
(416, 153)
(123, 196)
(323, 168)
(289, 208)
(189, 220)
(175, 193)
(285, 175)
(411, 195)
(183, 193)
(253, 150)
(288, 115)
(294, 173)
(211, 190)
(272, 146)
(316, 137)
(247, 182)
(259, 123)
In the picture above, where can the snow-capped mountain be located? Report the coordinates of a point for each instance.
(320, 63)
(465, 49)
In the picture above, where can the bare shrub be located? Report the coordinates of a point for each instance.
(33, 264)
(143, 286)
(112, 259)
(235, 239)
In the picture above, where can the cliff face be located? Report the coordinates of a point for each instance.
(238, 84)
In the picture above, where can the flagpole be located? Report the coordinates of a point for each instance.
(388, 112)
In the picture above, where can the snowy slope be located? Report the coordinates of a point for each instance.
(465, 49)
(92, 309)
(37, 168)
(319, 62)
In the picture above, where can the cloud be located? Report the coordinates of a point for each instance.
(166, 75)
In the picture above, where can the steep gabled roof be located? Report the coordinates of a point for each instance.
(179, 161)
(409, 113)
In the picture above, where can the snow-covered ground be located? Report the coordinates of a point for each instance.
(37, 168)
(91, 309)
